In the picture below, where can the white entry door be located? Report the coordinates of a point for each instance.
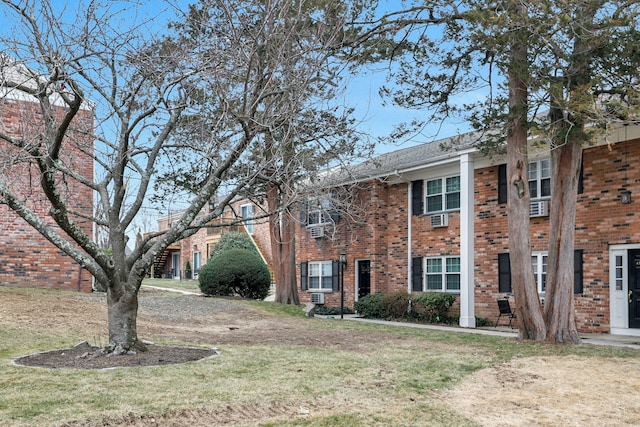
(624, 264)
(618, 305)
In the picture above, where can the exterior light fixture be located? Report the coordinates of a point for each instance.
(625, 197)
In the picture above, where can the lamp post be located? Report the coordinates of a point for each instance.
(343, 264)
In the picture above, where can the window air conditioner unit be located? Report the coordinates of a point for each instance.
(439, 220)
(316, 231)
(539, 208)
(317, 298)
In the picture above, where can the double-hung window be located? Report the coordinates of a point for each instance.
(319, 211)
(539, 261)
(320, 276)
(442, 274)
(247, 217)
(540, 179)
(443, 194)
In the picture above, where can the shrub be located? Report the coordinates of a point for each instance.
(330, 311)
(370, 306)
(235, 272)
(233, 240)
(483, 321)
(395, 305)
(209, 282)
(431, 306)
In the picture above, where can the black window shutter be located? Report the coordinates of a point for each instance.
(335, 275)
(504, 273)
(303, 213)
(303, 276)
(502, 184)
(416, 197)
(577, 271)
(416, 274)
(581, 178)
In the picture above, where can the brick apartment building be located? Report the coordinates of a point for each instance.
(436, 220)
(26, 258)
(196, 249)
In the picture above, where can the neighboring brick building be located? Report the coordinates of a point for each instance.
(436, 220)
(26, 258)
(196, 249)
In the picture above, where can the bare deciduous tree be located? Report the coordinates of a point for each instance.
(180, 117)
(287, 59)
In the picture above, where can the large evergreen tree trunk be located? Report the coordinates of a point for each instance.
(282, 236)
(559, 301)
(568, 122)
(287, 293)
(529, 311)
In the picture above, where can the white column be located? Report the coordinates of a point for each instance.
(467, 287)
(409, 235)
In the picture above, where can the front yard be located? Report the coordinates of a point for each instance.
(277, 368)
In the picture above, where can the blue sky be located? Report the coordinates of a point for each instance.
(362, 91)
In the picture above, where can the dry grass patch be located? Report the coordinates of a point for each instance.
(282, 370)
(552, 391)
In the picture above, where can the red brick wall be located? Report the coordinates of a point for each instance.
(26, 258)
(601, 221)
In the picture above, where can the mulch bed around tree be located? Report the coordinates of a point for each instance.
(85, 356)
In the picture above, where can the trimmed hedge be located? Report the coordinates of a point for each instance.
(395, 305)
(370, 306)
(432, 307)
(330, 311)
(235, 272)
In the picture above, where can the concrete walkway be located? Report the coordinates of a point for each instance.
(502, 331)
(180, 291)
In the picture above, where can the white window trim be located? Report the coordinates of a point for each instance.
(539, 269)
(248, 223)
(320, 265)
(539, 178)
(443, 274)
(443, 181)
(319, 207)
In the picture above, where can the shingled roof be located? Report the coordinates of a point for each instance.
(412, 157)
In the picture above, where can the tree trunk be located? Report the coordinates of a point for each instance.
(282, 236)
(559, 302)
(287, 293)
(529, 311)
(566, 159)
(122, 306)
